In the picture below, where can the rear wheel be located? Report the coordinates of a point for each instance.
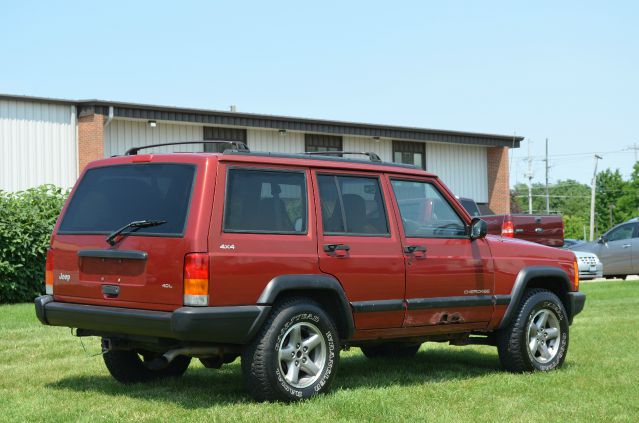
(390, 350)
(295, 356)
(537, 337)
(129, 366)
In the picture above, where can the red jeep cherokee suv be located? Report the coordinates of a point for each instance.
(286, 259)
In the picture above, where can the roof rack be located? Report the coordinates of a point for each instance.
(372, 156)
(239, 146)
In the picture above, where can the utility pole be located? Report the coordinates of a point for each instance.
(634, 148)
(530, 177)
(593, 186)
(547, 196)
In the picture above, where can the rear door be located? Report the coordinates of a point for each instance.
(144, 268)
(359, 244)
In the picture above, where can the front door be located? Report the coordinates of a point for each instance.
(616, 252)
(449, 277)
(359, 244)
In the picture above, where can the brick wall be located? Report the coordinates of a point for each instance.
(498, 180)
(90, 139)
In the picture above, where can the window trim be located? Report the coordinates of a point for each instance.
(397, 149)
(339, 192)
(187, 215)
(454, 209)
(264, 232)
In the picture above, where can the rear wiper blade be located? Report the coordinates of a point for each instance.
(136, 224)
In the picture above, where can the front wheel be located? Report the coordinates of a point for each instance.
(295, 355)
(537, 337)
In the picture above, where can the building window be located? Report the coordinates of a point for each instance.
(314, 142)
(214, 133)
(410, 153)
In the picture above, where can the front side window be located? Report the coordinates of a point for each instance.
(425, 212)
(352, 205)
(621, 233)
(265, 201)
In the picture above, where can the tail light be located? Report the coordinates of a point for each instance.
(196, 279)
(575, 266)
(508, 229)
(48, 273)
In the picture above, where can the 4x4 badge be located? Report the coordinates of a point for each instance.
(227, 246)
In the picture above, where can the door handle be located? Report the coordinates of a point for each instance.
(539, 230)
(626, 246)
(331, 248)
(410, 249)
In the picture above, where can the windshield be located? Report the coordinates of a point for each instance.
(113, 196)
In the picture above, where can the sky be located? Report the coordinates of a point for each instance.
(567, 71)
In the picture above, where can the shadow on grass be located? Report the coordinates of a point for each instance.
(202, 388)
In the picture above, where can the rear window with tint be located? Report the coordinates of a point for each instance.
(265, 201)
(113, 196)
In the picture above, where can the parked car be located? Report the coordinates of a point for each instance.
(569, 242)
(541, 229)
(286, 259)
(618, 249)
(590, 267)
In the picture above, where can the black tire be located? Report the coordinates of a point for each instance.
(128, 367)
(512, 342)
(263, 371)
(390, 350)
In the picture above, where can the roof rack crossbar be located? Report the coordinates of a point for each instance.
(372, 156)
(239, 146)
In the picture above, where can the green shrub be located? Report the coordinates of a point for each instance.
(27, 219)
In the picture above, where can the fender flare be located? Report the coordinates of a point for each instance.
(524, 276)
(312, 282)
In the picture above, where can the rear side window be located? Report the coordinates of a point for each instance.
(425, 212)
(352, 205)
(110, 197)
(265, 201)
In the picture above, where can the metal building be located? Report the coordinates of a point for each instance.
(46, 140)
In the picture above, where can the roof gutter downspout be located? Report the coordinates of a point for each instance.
(109, 117)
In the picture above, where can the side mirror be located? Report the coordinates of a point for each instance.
(478, 228)
(602, 240)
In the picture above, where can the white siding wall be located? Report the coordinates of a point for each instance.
(37, 145)
(122, 134)
(271, 140)
(463, 169)
(383, 148)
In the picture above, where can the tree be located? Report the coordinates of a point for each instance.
(629, 201)
(609, 210)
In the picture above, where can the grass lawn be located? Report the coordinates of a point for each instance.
(46, 375)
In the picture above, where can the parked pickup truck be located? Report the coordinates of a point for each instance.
(542, 229)
(285, 259)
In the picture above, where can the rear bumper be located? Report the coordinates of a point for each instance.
(577, 301)
(228, 325)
